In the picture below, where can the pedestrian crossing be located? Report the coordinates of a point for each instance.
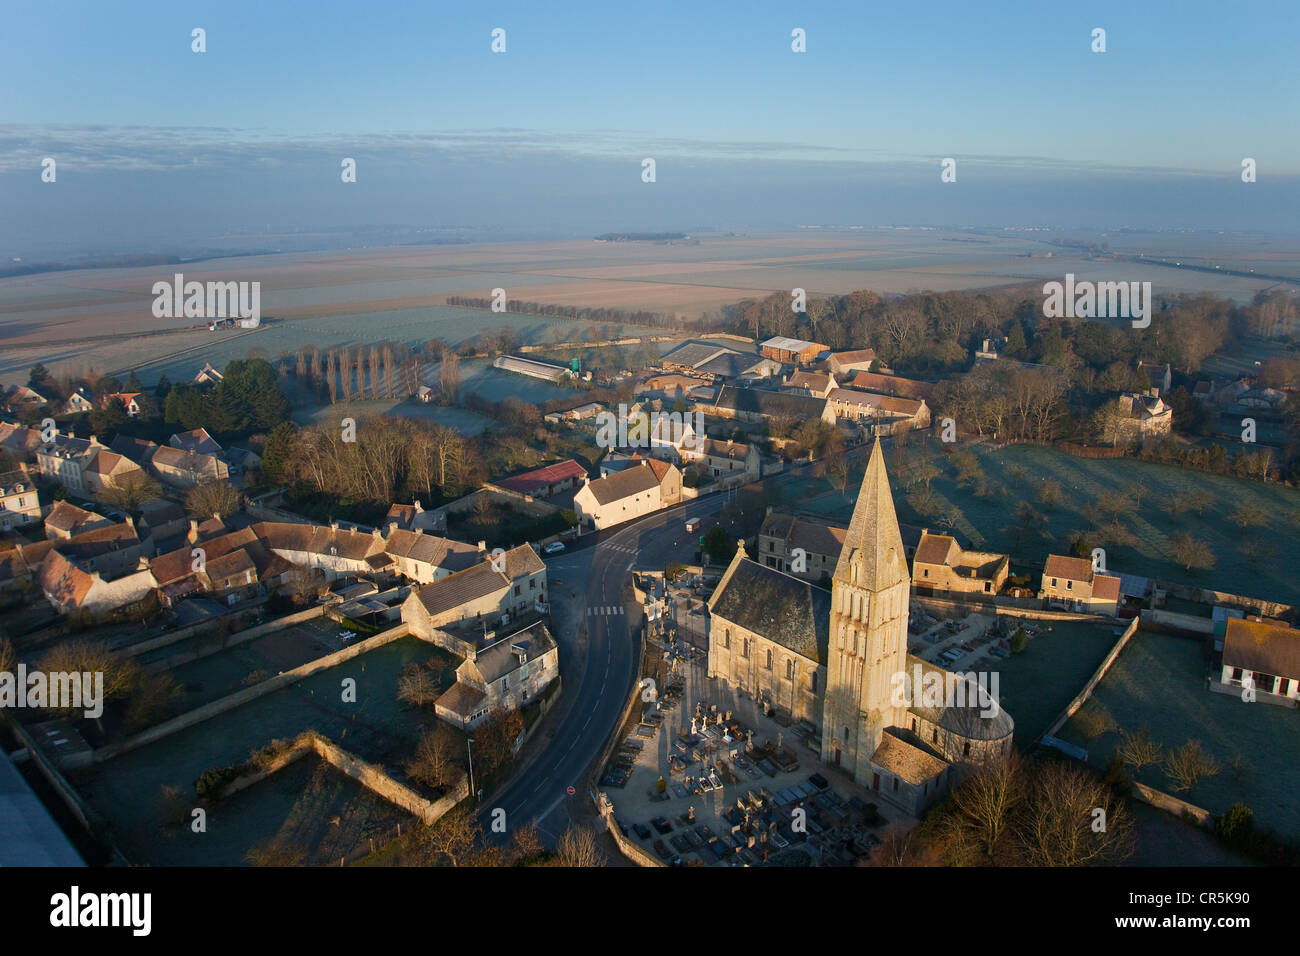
(618, 547)
(605, 611)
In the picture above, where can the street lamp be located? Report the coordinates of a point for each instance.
(469, 744)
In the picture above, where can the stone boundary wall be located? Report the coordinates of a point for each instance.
(1082, 697)
(89, 819)
(264, 513)
(1170, 804)
(1006, 610)
(228, 640)
(1197, 595)
(1173, 621)
(370, 776)
(220, 706)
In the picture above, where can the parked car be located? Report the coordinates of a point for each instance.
(555, 547)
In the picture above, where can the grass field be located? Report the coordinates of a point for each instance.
(1159, 682)
(1038, 683)
(988, 523)
(378, 727)
(308, 806)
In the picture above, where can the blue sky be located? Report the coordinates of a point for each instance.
(584, 91)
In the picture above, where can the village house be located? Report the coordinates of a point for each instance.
(1159, 377)
(760, 404)
(130, 401)
(1142, 417)
(941, 566)
(547, 481)
(816, 384)
(65, 459)
(512, 583)
(196, 440)
(185, 469)
(891, 385)
(1071, 584)
(107, 469)
(414, 517)
(857, 360)
(506, 675)
(80, 402)
(208, 375)
(425, 558)
(886, 412)
(69, 586)
(20, 441)
(162, 520)
(725, 462)
(19, 398)
(990, 350)
(1264, 655)
(19, 503)
(66, 520)
(628, 494)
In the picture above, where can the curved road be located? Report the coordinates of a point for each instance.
(609, 668)
(609, 662)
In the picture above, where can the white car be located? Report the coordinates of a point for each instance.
(555, 547)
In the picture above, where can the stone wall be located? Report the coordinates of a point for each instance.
(239, 697)
(1082, 697)
(227, 640)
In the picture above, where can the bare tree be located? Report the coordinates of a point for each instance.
(1191, 552)
(452, 838)
(1187, 764)
(416, 686)
(578, 847)
(985, 804)
(216, 497)
(435, 761)
(129, 491)
(1139, 749)
(1071, 818)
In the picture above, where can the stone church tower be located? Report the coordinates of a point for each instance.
(868, 629)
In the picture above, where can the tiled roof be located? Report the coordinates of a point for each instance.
(891, 385)
(623, 484)
(934, 549)
(546, 475)
(905, 760)
(780, 607)
(1071, 569)
(1105, 587)
(462, 587)
(1266, 647)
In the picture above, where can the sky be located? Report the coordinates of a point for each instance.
(157, 146)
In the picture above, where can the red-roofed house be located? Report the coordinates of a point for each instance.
(546, 481)
(1072, 584)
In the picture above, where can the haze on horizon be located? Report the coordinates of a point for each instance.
(160, 149)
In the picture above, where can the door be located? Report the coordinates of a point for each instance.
(837, 756)
(875, 782)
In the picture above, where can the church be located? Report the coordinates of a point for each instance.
(836, 659)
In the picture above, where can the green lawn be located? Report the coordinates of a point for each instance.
(988, 523)
(1159, 682)
(1037, 684)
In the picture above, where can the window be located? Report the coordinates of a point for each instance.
(846, 733)
(726, 639)
(934, 736)
(965, 749)
(532, 584)
(1069, 585)
(789, 670)
(516, 590)
(988, 586)
(812, 682)
(769, 660)
(925, 573)
(913, 725)
(1236, 675)
(1053, 582)
(746, 648)
(895, 785)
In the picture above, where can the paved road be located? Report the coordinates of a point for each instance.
(601, 563)
(598, 571)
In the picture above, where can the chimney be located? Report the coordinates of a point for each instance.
(216, 516)
(482, 547)
(418, 508)
(93, 440)
(194, 531)
(740, 547)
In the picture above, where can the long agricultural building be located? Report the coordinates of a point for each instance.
(531, 367)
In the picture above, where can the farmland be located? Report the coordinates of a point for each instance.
(73, 320)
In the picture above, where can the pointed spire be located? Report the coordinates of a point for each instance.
(873, 541)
